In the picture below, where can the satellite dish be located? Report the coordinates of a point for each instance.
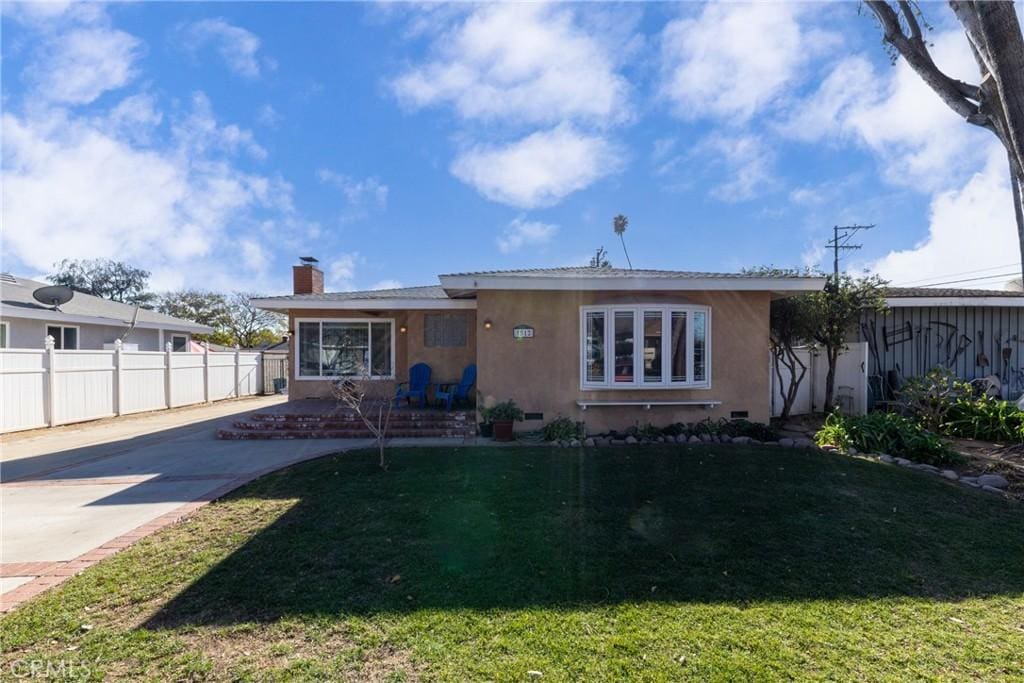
(54, 295)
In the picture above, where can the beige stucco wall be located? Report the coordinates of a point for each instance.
(543, 374)
(447, 363)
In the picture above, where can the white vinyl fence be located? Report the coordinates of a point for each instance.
(851, 384)
(46, 387)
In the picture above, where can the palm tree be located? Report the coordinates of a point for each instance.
(620, 223)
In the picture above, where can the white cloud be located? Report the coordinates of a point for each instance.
(734, 59)
(747, 161)
(253, 255)
(525, 62)
(540, 169)
(361, 195)
(78, 66)
(386, 284)
(341, 272)
(523, 233)
(238, 46)
(919, 141)
(267, 116)
(199, 132)
(968, 228)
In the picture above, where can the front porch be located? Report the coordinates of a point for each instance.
(327, 419)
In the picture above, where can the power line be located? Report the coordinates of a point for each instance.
(965, 272)
(970, 279)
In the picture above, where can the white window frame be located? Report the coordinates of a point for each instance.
(6, 326)
(78, 335)
(188, 340)
(638, 382)
(367, 322)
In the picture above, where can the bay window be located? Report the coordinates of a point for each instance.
(345, 348)
(645, 346)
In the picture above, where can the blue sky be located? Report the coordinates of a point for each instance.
(213, 143)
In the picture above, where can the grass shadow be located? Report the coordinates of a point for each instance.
(488, 529)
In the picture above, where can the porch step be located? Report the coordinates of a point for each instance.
(324, 424)
(275, 434)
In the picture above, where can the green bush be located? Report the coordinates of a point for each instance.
(886, 433)
(930, 397)
(648, 431)
(723, 427)
(985, 418)
(506, 411)
(561, 429)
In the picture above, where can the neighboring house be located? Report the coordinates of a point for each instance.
(612, 346)
(85, 322)
(974, 332)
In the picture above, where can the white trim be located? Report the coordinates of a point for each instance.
(966, 301)
(78, 336)
(6, 327)
(363, 304)
(369, 336)
(638, 383)
(186, 335)
(60, 317)
(647, 404)
(631, 283)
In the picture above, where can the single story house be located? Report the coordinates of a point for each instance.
(974, 332)
(84, 322)
(610, 346)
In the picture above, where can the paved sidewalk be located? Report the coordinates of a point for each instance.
(72, 496)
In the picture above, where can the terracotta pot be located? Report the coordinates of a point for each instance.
(503, 430)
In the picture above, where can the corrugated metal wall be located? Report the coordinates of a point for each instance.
(912, 340)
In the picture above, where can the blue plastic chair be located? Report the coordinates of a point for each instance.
(419, 380)
(449, 393)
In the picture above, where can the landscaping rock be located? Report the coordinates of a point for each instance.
(903, 462)
(741, 439)
(590, 442)
(996, 481)
(970, 481)
(575, 443)
(992, 489)
(659, 439)
(787, 442)
(949, 474)
(724, 438)
(803, 443)
(924, 467)
(631, 440)
(693, 439)
(885, 457)
(706, 438)
(755, 442)
(681, 438)
(771, 443)
(851, 451)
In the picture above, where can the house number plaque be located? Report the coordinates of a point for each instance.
(522, 332)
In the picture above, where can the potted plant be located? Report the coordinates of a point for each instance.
(485, 425)
(502, 416)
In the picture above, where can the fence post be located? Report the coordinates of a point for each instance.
(51, 381)
(206, 372)
(238, 373)
(168, 374)
(118, 377)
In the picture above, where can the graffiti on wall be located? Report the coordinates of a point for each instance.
(972, 342)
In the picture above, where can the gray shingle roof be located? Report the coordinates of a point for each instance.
(587, 271)
(916, 292)
(16, 293)
(427, 292)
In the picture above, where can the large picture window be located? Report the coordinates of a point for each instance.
(346, 348)
(646, 346)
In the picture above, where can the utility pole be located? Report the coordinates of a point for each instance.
(841, 236)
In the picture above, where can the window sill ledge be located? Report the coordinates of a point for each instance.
(646, 405)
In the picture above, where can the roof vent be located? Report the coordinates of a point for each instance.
(7, 277)
(309, 260)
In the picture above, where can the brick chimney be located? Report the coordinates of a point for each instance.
(307, 278)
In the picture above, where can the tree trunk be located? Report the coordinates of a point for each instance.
(1017, 188)
(830, 378)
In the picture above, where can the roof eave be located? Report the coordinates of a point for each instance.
(7, 311)
(461, 284)
(285, 305)
(945, 301)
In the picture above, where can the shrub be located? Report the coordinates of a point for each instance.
(886, 433)
(930, 397)
(561, 429)
(507, 411)
(723, 426)
(648, 431)
(985, 418)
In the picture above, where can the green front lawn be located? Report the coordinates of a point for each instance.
(659, 563)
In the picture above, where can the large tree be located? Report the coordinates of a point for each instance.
(205, 308)
(233, 318)
(104, 278)
(248, 325)
(996, 102)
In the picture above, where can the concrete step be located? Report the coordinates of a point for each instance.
(303, 425)
(273, 434)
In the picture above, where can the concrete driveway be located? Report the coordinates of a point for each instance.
(74, 495)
